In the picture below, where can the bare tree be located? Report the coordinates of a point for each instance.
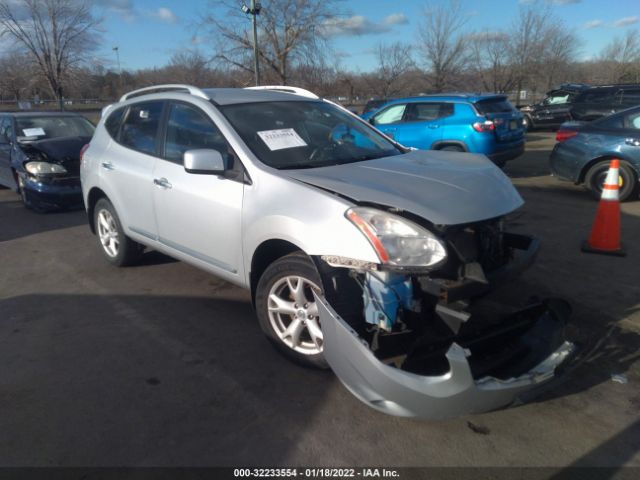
(489, 61)
(560, 50)
(58, 34)
(621, 57)
(443, 44)
(291, 32)
(17, 74)
(394, 61)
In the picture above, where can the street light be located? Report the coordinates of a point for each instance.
(254, 10)
(117, 50)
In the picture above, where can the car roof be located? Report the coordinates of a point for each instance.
(620, 86)
(232, 96)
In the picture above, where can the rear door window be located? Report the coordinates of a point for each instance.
(494, 105)
(392, 114)
(140, 128)
(601, 96)
(427, 112)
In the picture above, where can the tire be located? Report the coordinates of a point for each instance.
(117, 248)
(452, 148)
(527, 124)
(596, 175)
(296, 334)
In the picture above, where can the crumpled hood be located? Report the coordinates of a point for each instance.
(445, 188)
(57, 149)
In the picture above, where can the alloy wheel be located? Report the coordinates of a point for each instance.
(293, 314)
(108, 233)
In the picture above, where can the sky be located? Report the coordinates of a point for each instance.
(148, 32)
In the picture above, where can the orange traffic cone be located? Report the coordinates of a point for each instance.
(605, 234)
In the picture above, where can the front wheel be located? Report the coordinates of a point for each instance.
(627, 180)
(287, 311)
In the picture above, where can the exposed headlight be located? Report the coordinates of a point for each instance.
(44, 168)
(396, 240)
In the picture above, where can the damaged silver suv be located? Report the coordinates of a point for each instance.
(360, 254)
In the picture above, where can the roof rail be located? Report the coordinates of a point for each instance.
(173, 87)
(285, 88)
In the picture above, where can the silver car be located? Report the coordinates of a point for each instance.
(360, 254)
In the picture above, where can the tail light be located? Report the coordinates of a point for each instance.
(563, 135)
(486, 126)
(82, 150)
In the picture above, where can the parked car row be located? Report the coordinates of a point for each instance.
(580, 102)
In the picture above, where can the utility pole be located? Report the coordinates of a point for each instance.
(117, 50)
(254, 11)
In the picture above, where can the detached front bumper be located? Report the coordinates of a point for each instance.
(465, 388)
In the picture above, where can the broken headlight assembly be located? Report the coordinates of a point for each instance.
(44, 168)
(398, 242)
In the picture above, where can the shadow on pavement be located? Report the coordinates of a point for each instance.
(140, 380)
(17, 221)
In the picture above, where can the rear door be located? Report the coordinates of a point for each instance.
(199, 216)
(507, 120)
(126, 169)
(420, 125)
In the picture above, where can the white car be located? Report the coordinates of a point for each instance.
(360, 254)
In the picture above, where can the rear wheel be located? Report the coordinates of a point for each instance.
(287, 311)
(627, 180)
(526, 123)
(117, 248)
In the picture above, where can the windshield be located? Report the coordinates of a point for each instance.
(38, 128)
(305, 134)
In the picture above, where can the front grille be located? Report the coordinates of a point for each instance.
(482, 243)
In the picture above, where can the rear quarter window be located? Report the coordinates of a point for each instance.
(494, 105)
(113, 121)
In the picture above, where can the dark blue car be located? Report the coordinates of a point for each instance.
(40, 157)
(584, 151)
(486, 124)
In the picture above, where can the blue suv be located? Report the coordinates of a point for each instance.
(486, 124)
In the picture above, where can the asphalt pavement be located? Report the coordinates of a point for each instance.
(164, 365)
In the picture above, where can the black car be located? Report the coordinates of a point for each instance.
(604, 100)
(40, 157)
(553, 110)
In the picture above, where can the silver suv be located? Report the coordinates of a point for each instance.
(360, 254)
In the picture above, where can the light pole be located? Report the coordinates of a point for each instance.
(117, 50)
(254, 11)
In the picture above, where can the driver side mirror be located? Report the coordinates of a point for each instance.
(203, 161)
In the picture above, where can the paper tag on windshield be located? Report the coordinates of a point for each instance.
(281, 139)
(33, 132)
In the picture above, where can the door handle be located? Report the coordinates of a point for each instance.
(108, 166)
(162, 182)
(634, 142)
(434, 126)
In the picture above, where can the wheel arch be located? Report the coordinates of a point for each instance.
(95, 194)
(449, 143)
(264, 255)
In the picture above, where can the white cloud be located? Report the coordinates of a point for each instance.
(626, 21)
(124, 8)
(164, 15)
(593, 24)
(360, 25)
(396, 19)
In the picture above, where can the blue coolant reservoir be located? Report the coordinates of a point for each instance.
(383, 294)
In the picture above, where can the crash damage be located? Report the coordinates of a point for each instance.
(425, 342)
